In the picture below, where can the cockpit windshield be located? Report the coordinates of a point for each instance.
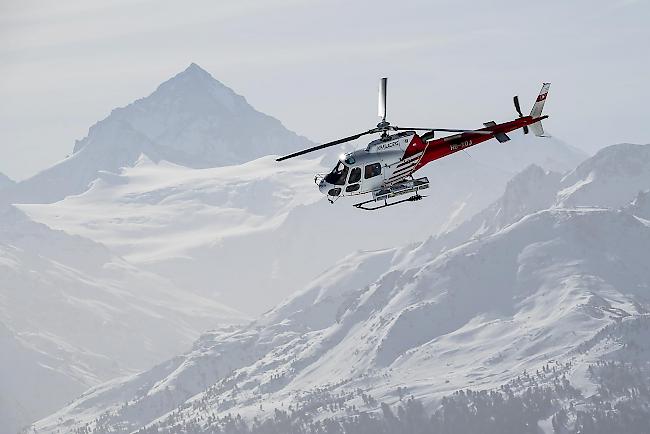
(338, 175)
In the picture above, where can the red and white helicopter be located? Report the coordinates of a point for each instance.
(386, 166)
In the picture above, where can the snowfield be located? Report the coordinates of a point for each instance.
(535, 291)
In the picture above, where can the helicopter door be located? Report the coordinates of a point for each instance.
(353, 180)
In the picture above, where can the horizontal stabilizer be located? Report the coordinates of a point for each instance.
(502, 137)
(489, 124)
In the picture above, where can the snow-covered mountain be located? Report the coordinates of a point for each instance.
(531, 190)
(547, 288)
(198, 227)
(73, 315)
(191, 119)
(609, 177)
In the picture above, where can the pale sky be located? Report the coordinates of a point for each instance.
(315, 65)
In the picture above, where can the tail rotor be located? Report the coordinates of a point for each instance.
(515, 99)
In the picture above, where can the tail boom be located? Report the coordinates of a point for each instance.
(434, 149)
(438, 148)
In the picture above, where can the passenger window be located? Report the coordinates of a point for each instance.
(355, 175)
(353, 187)
(372, 170)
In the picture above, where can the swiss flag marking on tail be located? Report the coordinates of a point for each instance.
(536, 111)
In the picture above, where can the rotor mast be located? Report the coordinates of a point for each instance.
(384, 125)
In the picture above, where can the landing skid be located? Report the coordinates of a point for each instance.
(360, 205)
(397, 189)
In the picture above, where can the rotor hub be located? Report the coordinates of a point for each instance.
(383, 125)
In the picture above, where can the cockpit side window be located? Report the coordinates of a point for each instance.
(372, 170)
(355, 175)
(338, 175)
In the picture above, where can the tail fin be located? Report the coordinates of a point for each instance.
(537, 110)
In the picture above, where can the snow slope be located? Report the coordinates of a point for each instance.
(191, 119)
(73, 315)
(477, 315)
(531, 190)
(609, 177)
(197, 227)
(23, 370)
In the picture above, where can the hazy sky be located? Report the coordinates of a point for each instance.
(315, 64)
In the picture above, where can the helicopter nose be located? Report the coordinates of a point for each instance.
(323, 186)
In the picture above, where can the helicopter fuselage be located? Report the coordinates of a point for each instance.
(392, 159)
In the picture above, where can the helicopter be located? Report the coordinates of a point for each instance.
(385, 167)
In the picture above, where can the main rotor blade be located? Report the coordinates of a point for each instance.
(327, 145)
(381, 109)
(446, 130)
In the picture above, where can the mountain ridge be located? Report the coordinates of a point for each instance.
(478, 314)
(191, 119)
(375, 345)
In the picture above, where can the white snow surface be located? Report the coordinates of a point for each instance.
(73, 315)
(532, 287)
